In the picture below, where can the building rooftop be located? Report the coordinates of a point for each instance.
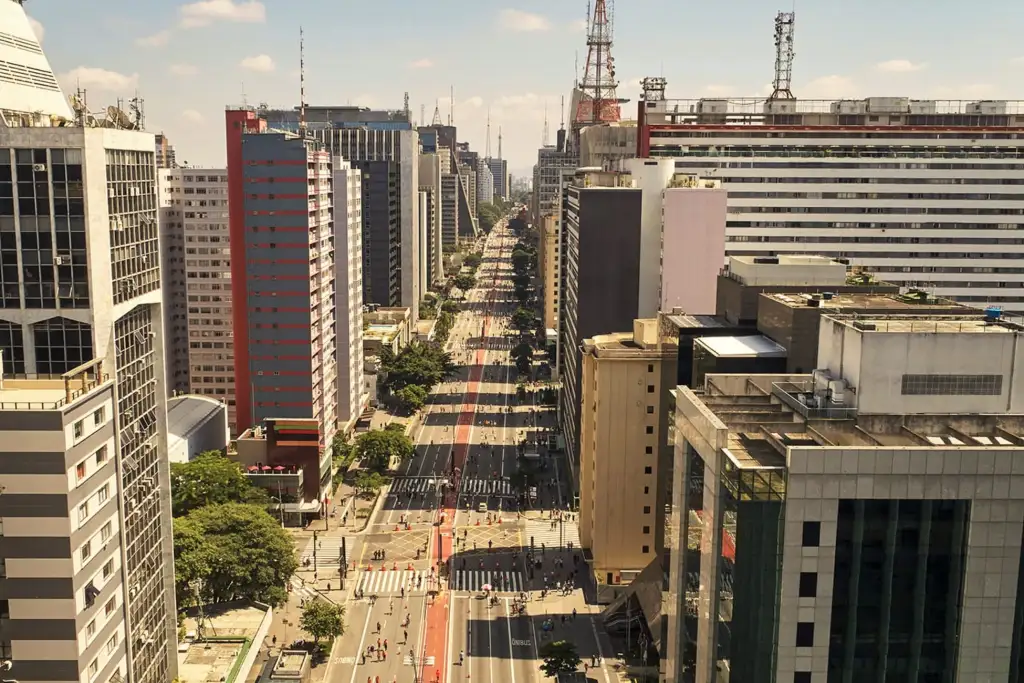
(51, 392)
(867, 105)
(863, 301)
(960, 324)
(750, 346)
(687, 321)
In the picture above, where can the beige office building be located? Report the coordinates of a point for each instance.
(548, 264)
(624, 452)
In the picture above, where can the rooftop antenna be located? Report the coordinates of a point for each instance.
(245, 99)
(451, 105)
(576, 66)
(437, 113)
(784, 24)
(137, 106)
(405, 105)
(302, 83)
(544, 135)
(561, 114)
(487, 146)
(423, 114)
(499, 142)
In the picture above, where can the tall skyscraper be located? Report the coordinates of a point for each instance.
(348, 299)
(484, 183)
(196, 260)
(80, 281)
(283, 267)
(165, 155)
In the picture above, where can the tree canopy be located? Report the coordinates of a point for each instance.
(489, 214)
(423, 364)
(322, 619)
(368, 482)
(473, 260)
(411, 397)
(235, 551)
(520, 260)
(522, 354)
(465, 281)
(560, 657)
(522, 319)
(377, 447)
(211, 479)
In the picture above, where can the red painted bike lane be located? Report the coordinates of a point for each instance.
(438, 612)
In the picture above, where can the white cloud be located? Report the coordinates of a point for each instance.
(578, 26)
(258, 63)
(475, 101)
(969, 91)
(423, 63)
(828, 87)
(719, 90)
(517, 20)
(158, 39)
(192, 116)
(900, 66)
(37, 28)
(206, 12)
(183, 69)
(95, 78)
(1017, 60)
(365, 100)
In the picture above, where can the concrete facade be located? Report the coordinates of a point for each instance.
(548, 262)
(195, 424)
(348, 293)
(624, 450)
(432, 218)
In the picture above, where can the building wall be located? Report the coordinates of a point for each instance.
(692, 248)
(197, 259)
(621, 443)
(484, 183)
(549, 266)
(348, 296)
(62, 536)
(449, 211)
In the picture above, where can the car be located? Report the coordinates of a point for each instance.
(482, 507)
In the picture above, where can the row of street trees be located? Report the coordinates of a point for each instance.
(414, 371)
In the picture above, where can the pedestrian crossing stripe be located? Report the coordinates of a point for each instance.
(476, 579)
(413, 485)
(303, 591)
(327, 555)
(542, 533)
(427, 661)
(486, 487)
(392, 582)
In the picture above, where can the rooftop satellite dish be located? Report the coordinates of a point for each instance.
(119, 118)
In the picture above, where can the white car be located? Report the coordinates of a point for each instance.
(482, 507)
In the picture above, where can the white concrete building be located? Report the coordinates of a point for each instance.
(484, 183)
(922, 192)
(431, 218)
(195, 424)
(196, 260)
(348, 245)
(79, 205)
(878, 501)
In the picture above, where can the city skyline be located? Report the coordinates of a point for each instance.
(190, 60)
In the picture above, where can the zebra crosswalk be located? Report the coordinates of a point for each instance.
(485, 487)
(302, 590)
(561, 535)
(476, 579)
(392, 582)
(328, 552)
(413, 485)
(427, 661)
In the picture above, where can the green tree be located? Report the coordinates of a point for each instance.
(522, 319)
(465, 281)
(522, 354)
(450, 306)
(418, 363)
(560, 657)
(211, 479)
(428, 309)
(368, 483)
(488, 214)
(322, 619)
(235, 551)
(474, 260)
(377, 447)
(522, 294)
(520, 260)
(521, 279)
(411, 397)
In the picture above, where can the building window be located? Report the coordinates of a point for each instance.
(61, 345)
(5, 609)
(104, 494)
(811, 535)
(647, 470)
(650, 410)
(83, 512)
(801, 677)
(79, 429)
(80, 471)
(647, 529)
(805, 634)
(645, 549)
(108, 609)
(650, 368)
(650, 429)
(112, 644)
(649, 450)
(90, 630)
(647, 509)
(98, 416)
(94, 668)
(108, 568)
(952, 385)
(647, 489)
(106, 532)
(86, 551)
(101, 455)
(808, 584)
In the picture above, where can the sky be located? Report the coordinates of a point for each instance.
(515, 59)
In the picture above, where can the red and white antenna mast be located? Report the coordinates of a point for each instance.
(598, 101)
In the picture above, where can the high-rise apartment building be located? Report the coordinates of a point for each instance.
(165, 156)
(283, 242)
(484, 183)
(547, 180)
(348, 298)
(918, 191)
(467, 175)
(548, 263)
(450, 189)
(861, 521)
(80, 271)
(431, 218)
(499, 173)
(196, 257)
(62, 580)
